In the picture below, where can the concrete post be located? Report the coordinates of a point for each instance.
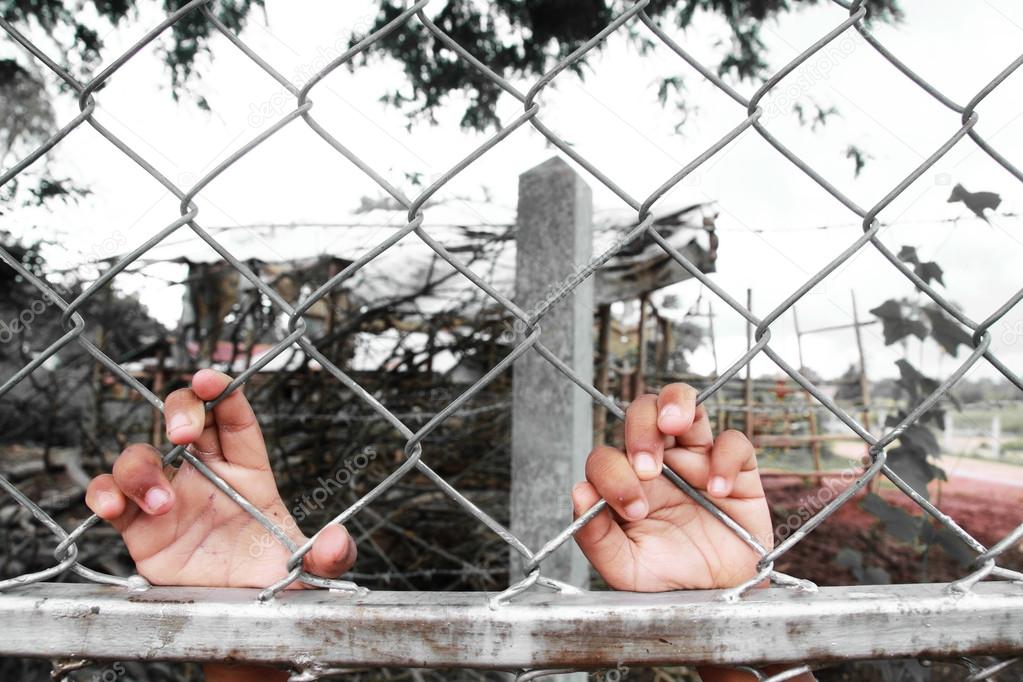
(552, 418)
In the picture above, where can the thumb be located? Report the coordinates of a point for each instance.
(601, 540)
(332, 554)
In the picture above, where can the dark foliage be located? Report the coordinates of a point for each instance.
(545, 32)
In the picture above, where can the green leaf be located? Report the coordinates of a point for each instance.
(934, 416)
(849, 385)
(896, 325)
(930, 272)
(910, 464)
(896, 521)
(875, 575)
(669, 85)
(894, 420)
(947, 331)
(949, 543)
(916, 384)
(920, 437)
(859, 159)
(919, 387)
(850, 559)
(907, 254)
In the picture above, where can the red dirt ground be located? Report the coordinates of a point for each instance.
(985, 498)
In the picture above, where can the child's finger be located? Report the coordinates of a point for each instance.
(694, 467)
(241, 439)
(732, 453)
(676, 408)
(139, 474)
(678, 415)
(643, 442)
(612, 476)
(185, 416)
(602, 538)
(332, 554)
(105, 499)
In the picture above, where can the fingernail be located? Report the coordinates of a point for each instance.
(718, 486)
(156, 498)
(671, 416)
(105, 502)
(178, 422)
(644, 463)
(636, 510)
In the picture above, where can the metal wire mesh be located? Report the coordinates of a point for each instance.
(530, 339)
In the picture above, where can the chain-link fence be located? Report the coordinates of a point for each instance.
(511, 629)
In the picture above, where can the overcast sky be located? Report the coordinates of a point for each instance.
(770, 211)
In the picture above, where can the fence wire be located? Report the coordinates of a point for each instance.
(530, 340)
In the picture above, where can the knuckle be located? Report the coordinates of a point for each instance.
(734, 434)
(683, 389)
(678, 392)
(640, 402)
(237, 425)
(134, 459)
(179, 397)
(601, 465)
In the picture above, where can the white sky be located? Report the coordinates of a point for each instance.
(768, 207)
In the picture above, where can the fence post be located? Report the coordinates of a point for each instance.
(552, 419)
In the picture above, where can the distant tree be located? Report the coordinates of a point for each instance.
(544, 31)
(50, 406)
(516, 38)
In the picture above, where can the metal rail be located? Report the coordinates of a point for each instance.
(461, 629)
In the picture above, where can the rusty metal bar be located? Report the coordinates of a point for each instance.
(460, 629)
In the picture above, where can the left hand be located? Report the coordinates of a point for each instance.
(653, 537)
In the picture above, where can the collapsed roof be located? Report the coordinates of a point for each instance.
(480, 234)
